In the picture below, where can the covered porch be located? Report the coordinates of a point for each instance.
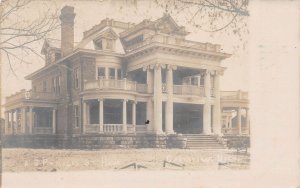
(29, 112)
(114, 116)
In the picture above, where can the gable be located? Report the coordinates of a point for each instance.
(108, 34)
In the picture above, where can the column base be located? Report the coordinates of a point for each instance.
(170, 132)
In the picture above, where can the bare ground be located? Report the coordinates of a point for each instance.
(24, 160)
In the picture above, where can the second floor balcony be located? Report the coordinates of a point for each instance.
(30, 95)
(126, 85)
(115, 84)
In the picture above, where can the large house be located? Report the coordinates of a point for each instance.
(121, 75)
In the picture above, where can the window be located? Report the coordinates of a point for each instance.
(98, 45)
(76, 115)
(119, 73)
(57, 84)
(101, 72)
(135, 40)
(109, 44)
(53, 85)
(194, 80)
(44, 86)
(111, 73)
(57, 56)
(76, 78)
(212, 81)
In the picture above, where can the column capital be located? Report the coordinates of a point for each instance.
(157, 66)
(209, 72)
(171, 67)
(146, 68)
(134, 101)
(100, 99)
(217, 72)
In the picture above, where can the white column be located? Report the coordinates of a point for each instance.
(87, 113)
(207, 85)
(217, 106)
(30, 119)
(207, 118)
(150, 99)
(248, 121)
(106, 72)
(134, 115)
(6, 123)
(169, 102)
(149, 80)
(53, 121)
(239, 120)
(157, 99)
(101, 114)
(150, 114)
(23, 120)
(116, 73)
(84, 118)
(207, 105)
(12, 123)
(230, 122)
(124, 126)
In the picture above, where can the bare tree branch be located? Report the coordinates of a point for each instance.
(19, 33)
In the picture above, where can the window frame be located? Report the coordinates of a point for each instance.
(76, 116)
(76, 78)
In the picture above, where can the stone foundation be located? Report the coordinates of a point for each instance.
(95, 141)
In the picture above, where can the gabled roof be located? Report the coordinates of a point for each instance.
(165, 24)
(52, 43)
(107, 33)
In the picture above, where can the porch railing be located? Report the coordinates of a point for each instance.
(30, 95)
(234, 95)
(115, 84)
(112, 128)
(115, 128)
(188, 90)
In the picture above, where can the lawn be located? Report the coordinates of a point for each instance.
(52, 160)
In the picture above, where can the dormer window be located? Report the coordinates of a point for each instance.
(98, 45)
(106, 40)
(57, 56)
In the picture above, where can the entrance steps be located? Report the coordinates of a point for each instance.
(200, 141)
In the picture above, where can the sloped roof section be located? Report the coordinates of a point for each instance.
(165, 24)
(50, 43)
(107, 32)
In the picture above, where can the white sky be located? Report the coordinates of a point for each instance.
(90, 13)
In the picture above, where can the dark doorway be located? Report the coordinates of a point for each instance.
(188, 118)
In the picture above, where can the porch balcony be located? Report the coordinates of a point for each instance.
(115, 85)
(189, 90)
(234, 95)
(31, 95)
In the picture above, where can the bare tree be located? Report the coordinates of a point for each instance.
(18, 33)
(210, 15)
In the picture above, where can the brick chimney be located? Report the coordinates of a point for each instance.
(67, 30)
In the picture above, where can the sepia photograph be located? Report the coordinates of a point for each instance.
(149, 93)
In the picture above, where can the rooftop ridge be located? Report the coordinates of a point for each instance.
(107, 22)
